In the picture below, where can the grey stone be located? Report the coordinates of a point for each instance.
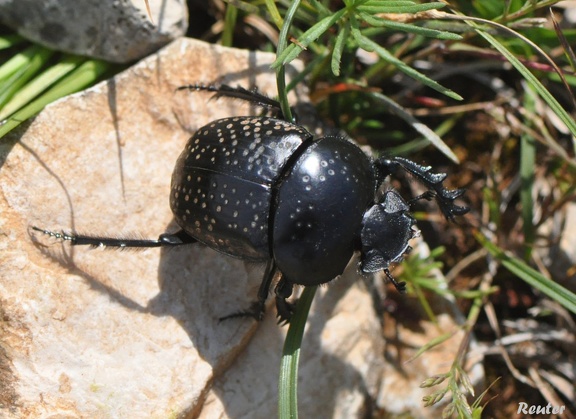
(114, 30)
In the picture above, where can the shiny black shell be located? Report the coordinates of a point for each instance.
(258, 188)
(319, 210)
(222, 183)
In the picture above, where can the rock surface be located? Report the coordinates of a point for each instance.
(100, 333)
(114, 30)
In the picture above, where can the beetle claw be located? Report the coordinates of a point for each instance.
(284, 310)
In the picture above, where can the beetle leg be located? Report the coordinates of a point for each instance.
(252, 96)
(433, 181)
(257, 308)
(165, 240)
(400, 286)
(284, 309)
(428, 196)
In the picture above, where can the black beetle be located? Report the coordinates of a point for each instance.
(264, 190)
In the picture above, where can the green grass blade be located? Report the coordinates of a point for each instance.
(287, 385)
(40, 83)
(8, 41)
(432, 344)
(274, 13)
(534, 278)
(229, 25)
(339, 46)
(280, 70)
(80, 78)
(19, 60)
(398, 7)
(527, 176)
(410, 28)
(532, 80)
(307, 37)
(417, 125)
(12, 84)
(370, 45)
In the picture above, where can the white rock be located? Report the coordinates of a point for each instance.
(102, 333)
(114, 30)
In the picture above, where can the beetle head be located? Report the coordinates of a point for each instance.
(386, 231)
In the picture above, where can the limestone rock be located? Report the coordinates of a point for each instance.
(103, 333)
(114, 30)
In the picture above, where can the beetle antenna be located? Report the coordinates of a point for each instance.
(164, 240)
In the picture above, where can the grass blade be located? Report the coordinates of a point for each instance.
(40, 83)
(399, 7)
(83, 76)
(307, 37)
(287, 385)
(370, 45)
(18, 61)
(532, 80)
(406, 27)
(527, 176)
(8, 41)
(534, 278)
(19, 78)
(417, 125)
(339, 45)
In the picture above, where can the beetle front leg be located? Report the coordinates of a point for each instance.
(433, 181)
